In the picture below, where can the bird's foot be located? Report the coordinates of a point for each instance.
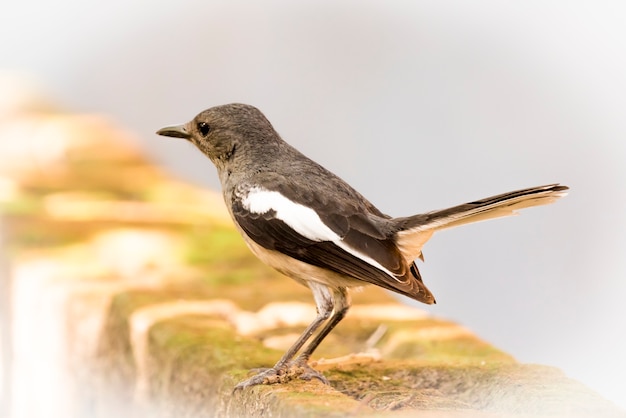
(266, 377)
(307, 372)
(282, 374)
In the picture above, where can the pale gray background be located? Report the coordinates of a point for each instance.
(420, 105)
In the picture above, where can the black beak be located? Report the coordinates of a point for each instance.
(174, 131)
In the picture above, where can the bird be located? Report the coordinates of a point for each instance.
(312, 226)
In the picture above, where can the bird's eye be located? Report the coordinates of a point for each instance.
(204, 128)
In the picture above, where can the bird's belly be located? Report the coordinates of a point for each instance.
(300, 271)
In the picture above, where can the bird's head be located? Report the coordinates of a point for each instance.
(226, 132)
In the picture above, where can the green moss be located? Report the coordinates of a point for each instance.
(222, 245)
(23, 205)
(210, 343)
(450, 351)
(191, 355)
(198, 356)
(233, 276)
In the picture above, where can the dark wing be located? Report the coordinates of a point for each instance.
(368, 249)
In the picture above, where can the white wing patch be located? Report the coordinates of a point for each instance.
(305, 221)
(302, 219)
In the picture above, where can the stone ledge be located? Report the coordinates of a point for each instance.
(118, 349)
(121, 306)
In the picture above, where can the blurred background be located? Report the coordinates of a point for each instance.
(418, 104)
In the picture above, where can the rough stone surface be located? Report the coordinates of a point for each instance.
(130, 294)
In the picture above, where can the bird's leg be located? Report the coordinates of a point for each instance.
(283, 371)
(341, 306)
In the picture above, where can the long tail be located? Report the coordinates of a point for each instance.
(414, 231)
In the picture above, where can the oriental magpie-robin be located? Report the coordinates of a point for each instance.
(307, 223)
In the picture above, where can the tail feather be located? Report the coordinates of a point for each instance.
(414, 231)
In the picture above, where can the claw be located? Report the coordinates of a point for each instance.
(310, 373)
(266, 377)
(282, 374)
